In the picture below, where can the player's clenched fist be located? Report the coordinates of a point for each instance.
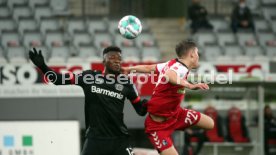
(36, 58)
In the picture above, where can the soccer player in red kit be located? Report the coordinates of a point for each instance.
(165, 114)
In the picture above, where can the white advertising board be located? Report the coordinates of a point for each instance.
(39, 138)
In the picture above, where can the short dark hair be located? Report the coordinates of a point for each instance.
(112, 49)
(184, 46)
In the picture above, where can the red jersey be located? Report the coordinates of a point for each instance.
(166, 97)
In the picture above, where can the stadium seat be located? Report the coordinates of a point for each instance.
(59, 6)
(245, 38)
(75, 24)
(4, 11)
(253, 5)
(253, 51)
(42, 11)
(113, 27)
(94, 59)
(87, 51)
(130, 55)
(273, 24)
(18, 60)
(270, 52)
(32, 38)
(265, 37)
(10, 38)
(3, 2)
(74, 60)
(3, 61)
(16, 52)
(11, 3)
(79, 38)
(150, 54)
(26, 24)
(205, 37)
(268, 2)
(145, 40)
(120, 41)
(7, 24)
(261, 24)
(59, 54)
(49, 23)
(261, 58)
(2, 53)
(214, 135)
(225, 59)
(269, 11)
(33, 3)
(224, 38)
(233, 51)
(219, 23)
(102, 40)
(2, 56)
(54, 38)
(243, 58)
(21, 11)
(146, 27)
(212, 52)
(96, 25)
(237, 131)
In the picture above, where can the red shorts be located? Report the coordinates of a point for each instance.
(159, 133)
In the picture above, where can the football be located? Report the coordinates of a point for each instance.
(130, 27)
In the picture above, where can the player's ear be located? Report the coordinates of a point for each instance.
(104, 57)
(191, 53)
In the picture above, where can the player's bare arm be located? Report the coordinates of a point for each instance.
(175, 79)
(139, 69)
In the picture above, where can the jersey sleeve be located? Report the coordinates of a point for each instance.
(159, 67)
(133, 95)
(138, 104)
(84, 77)
(180, 70)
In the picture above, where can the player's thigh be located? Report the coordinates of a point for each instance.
(205, 122)
(169, 151)
(90, 147)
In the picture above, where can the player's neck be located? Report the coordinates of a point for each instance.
(186, 62)
(106, 72)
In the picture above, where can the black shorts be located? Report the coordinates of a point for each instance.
(120, 146)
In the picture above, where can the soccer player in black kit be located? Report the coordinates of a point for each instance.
(106, 133)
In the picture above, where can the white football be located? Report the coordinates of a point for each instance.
(130, 27)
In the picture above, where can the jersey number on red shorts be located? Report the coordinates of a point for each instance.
(191, 117)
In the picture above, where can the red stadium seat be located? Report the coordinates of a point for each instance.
(272, 141)
(213, 135)
(236, 126)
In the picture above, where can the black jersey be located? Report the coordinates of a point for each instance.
(104, 103)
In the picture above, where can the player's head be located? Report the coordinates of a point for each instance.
(267, 111)
(112, 59)
(188, 50)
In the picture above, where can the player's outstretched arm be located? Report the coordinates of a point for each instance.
(38, 60)
(139, 69)
(175, 79)
(140, 106)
